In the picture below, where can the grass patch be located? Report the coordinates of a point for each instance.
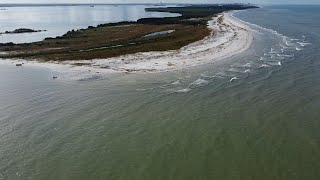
(116, 39)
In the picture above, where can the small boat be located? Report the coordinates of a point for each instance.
(18, 64)
(91, 6)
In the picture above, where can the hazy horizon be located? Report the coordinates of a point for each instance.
(158, 1)
(136, 3)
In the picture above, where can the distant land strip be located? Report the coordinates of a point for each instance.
(116, 39)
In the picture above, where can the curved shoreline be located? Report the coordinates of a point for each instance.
(228, 38)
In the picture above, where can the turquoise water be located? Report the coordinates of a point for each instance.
(262, 125)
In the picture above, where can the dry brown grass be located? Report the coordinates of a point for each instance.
(92, 43)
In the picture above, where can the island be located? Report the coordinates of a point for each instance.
(148, 44)
(115, 39)
(21, 30)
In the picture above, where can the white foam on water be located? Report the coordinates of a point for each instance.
(288, 44)
(233, 79)
(198, 83)
(261, 28)
(285, 55)
(183, 90)
(287, 48)
(267, 54)
(248, 65)
(303, 44)
(274, 63)
(264, 66)
(176, 82)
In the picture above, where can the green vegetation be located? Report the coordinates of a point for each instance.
(115, 39)
(198, 11)
(22, 30)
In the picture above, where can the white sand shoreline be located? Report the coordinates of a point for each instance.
(231, 37)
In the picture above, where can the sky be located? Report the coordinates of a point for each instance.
(167, 1)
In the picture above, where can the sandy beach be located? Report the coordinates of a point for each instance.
(228, 38)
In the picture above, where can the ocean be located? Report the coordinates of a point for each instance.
(251, 116)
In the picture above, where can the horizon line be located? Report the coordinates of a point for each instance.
(155, 3)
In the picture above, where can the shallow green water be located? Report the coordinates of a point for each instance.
(264, 125)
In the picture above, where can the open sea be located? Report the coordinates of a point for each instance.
(253, 116)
